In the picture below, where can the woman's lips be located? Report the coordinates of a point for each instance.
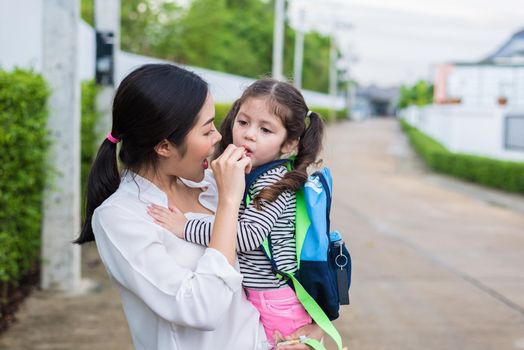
(205, 164)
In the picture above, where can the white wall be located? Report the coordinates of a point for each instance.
(225, 87)
(478, 131)
(87, 51)
(21, 41)
(21, 38)
(479, 85)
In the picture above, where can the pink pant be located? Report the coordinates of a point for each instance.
(280, 310)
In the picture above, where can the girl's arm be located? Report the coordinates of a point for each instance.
(253, 225)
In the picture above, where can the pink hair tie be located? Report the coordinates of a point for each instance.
(112, 139)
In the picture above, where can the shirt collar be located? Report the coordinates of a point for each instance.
(148, 191)
(143, 188)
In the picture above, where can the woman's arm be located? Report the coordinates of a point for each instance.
(229, 195)
(229, 170)
(136, 258)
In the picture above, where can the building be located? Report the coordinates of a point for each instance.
(496, 80)
(479, 106)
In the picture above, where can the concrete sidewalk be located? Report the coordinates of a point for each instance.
(48, 321)
(438, 264)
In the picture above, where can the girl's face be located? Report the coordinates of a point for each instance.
(260, 132)
(199, 144)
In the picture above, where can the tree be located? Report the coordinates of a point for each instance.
(233, 36)
(419, 94)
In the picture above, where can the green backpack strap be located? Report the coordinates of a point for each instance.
(302, 223)
(315, 344)
(315, 311)
(318, 315)
(310, 305)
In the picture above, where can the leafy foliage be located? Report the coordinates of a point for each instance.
(495, 173)
(420, 94)
(233, 36)
(89, 138)
(24, 142)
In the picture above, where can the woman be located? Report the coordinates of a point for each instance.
(175, 295)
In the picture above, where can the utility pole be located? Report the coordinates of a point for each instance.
(299, 51)
(278, 40)
(107, 24)
(333, 76)
(61, 210)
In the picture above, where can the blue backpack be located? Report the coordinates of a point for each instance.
(323, 277)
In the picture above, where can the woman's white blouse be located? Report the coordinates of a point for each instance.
(175, 294)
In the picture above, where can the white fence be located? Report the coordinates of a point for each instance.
(225, 87)
(492, 132)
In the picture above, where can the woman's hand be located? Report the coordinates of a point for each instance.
(229, 170)
(310, 331)
(171, 219)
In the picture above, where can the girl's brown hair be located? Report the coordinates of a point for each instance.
(286, 102)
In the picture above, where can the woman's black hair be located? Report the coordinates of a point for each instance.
(153, 103)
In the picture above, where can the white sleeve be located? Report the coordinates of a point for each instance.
(135, 257)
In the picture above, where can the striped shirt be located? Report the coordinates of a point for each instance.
(254, 226)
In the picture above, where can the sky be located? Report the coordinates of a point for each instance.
(393, 42)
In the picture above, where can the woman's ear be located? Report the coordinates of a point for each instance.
(289, 146)
(165, 149)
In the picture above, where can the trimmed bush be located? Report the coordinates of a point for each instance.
(326, 114)
(24, 142)
(221, 110)
(504, 175)
(89, 138)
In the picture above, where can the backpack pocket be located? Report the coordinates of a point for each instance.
(340, 263)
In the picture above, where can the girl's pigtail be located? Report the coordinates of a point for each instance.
(309, 148)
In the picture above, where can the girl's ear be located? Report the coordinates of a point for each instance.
(289, 146)
(165, 149)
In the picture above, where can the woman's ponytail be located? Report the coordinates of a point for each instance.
(102, 182)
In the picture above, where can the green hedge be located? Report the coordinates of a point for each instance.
(24, 143)
(89, 138)
(221, 110)
(504, 175)
(326, 114)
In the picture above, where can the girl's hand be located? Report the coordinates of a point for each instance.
(171, 219)
(310, 331)
(229, 170)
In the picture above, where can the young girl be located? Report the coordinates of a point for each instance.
(271, 121)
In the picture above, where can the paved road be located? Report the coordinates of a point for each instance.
(435, 265)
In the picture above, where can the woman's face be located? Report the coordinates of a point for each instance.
(199, 145)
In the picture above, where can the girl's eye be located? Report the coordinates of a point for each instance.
(209, 132)
(242, 122)
(266, 131)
